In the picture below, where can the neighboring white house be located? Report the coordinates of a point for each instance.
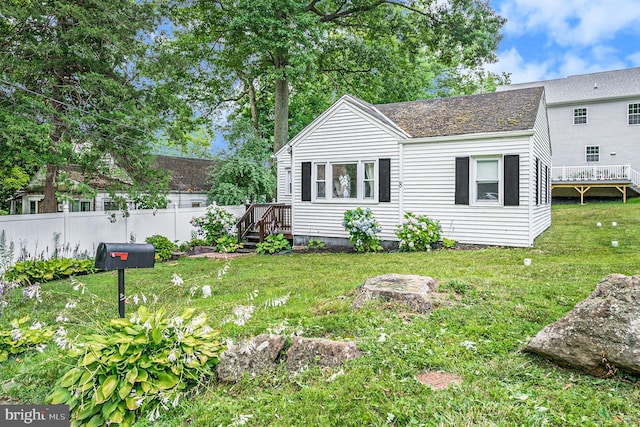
(594, 122)
(187, 185)
(479, 164)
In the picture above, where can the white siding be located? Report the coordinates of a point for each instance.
(346, 135)
(541, 213)
(429, 189)
(283, 159)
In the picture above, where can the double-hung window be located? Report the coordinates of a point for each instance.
(288, 184)
(579, 116)
(592, 153)
(634, 114)
(321, 181)
(487, 180)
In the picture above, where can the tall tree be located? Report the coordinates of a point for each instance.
(73, 67)
(262, 53)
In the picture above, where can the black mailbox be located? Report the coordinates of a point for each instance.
(119, 256)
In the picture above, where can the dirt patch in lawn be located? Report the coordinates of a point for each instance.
(438, 380)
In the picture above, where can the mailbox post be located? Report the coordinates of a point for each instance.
(121, 256)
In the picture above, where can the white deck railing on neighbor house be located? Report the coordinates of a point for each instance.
(39, 236)
(596, 173)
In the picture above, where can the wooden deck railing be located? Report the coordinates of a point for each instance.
(268, 218)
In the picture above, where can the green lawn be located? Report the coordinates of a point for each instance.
(493, 305)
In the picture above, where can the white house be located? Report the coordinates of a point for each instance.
(594, 122)
(479, 164)
(187, 187)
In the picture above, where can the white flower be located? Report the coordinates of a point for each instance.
(206, 291)
(172, 356)
(177, 280)
(240, 420)
(62, 318)
(41, 347)
(136, 300)
(469, 345)
(36, 326)
(32, 292)
(70, 305)
(16, 334)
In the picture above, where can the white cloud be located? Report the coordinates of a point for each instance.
(634, 58)
(571, 22)
(512, 62)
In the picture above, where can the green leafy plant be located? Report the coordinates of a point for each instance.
(417, 233)
(315, 244)
(448, 243)
(227, 244)
(273, 244)
(215, 223)
(164, 247)
(363, 230)
(23, 337)
(31, 271)
(142, 364)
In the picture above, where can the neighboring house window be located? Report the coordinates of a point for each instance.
(579, 116)
(487, 179)
(196, 204)
(634, 114)
(321, 181)
(287, 182)
(110, 205)
(85, 206)
(592, 153)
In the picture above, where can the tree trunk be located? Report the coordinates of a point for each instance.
(281, 116)
(254, 107)
(50, 202)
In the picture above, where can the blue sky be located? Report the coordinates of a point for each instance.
(549, 39)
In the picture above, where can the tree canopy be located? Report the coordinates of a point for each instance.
(281, 62)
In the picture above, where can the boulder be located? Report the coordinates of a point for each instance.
(601, 335)
(409, 289)
(255, 356)
(323, 352)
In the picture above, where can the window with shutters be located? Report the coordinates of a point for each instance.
(351, 180)
(321, 181)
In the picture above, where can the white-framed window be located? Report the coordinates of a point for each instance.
(592, 153)
(634, 114)
(321, 181)
(288, 183)
(486, 179)
(346, 180)
(580, 116)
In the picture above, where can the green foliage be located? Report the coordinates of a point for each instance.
(363, 230)
(31, 271)
(191, 244)
(164, 247)
(244, 172)
(214, 224)
(315, 244)
(272, 244)
(448, 243)
(227, 243)
(22, 337)
(417, 233)
(138, 365)
(151, 201)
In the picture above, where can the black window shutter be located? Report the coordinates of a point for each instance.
(537, 179)
(384, 174)
(512, 180)
(306, 181)
(462, 180)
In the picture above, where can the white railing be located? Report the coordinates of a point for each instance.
(595, 173)
(69, 233)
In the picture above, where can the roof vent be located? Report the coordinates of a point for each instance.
(595, 85)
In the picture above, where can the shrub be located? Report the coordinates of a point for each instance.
(273, 244)
(27, 272)
(164, 247)
(227, 244)
(448, 243)
(23, 337)
(363, 230)
(137, 365)
(215, 223)
(315, 244)
(417, 233)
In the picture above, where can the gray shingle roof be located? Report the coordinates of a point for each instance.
(187, 175)
(586, 87)
(490, 112)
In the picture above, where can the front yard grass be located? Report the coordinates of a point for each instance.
(493, 305)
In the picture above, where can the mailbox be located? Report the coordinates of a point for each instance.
(120, 256)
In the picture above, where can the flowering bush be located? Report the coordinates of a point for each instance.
(214, 224)
(141, 364)
(417, 233)
(363, 230)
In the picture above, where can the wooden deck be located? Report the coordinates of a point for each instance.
(582, 179)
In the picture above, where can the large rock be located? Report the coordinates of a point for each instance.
(323, 352)
(255, 356)
(409, 289)
(601, 334)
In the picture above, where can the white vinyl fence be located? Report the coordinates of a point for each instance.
(79, 233)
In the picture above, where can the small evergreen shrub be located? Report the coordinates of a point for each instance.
(164, 247)
(214, 224)
(273, 244)
(31, 271)
(417, 233)
(363, 230)
(137, 365)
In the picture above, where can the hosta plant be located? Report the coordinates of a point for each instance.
(272, 244)
(143, 364)
(417, 233)
(363, 230)
(163, 246)
(27, 272)
(23, 336)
